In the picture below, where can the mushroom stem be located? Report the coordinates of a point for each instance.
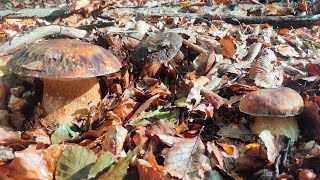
(287, 126)
(65, 100)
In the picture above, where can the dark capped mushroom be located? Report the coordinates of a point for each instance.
(274, 110)
(69, 69)
(155, 51)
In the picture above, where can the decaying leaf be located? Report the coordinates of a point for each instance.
(29, 164)
(265, 72)
(147, 171)
(114, 139)
(271, 144)
(186, 159)
(75, 163)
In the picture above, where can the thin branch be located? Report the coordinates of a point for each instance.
(19, 42)
(30, 13)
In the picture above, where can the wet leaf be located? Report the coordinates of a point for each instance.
(75, 163)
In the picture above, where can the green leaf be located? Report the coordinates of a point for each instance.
(63, 133)
(119, 169)
(103, 162)
(150, 117)
(75, 163)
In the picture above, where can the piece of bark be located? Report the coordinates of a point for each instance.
(19, 42)
(38, 13)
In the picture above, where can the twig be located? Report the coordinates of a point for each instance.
(19, 42)
(208, 12)
(30, 13)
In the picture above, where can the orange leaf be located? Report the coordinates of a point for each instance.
(146, 171)
(228, 45)
(153, 162)
(283, 31)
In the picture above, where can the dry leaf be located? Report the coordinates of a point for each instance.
(271, 144)
(31, 164)
(276, 10)
(253, 52)
(35, 66)
(114, 139)
(215, 155)
(212, 98)
(186, 159)
(264, 72)
(147, 171)
(228, 46)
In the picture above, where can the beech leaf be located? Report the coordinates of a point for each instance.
(63, 133)
(186, 159)
(75, 163)
(103, 162)
(119, 169)
(271, 143)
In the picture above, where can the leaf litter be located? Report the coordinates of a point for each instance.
(179, 118)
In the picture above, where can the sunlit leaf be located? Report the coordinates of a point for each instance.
(75, 163)
(63, 133)
(103, 162)
(119, 169)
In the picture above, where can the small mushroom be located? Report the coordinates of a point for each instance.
(68, 69)
(155, 51)
(274, 110)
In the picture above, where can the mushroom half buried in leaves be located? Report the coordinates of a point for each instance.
(274, 110)
(69, 69)
(155, 51)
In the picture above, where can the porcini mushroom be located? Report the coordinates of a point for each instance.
(68, 68)
(274, 110)
(155, 51)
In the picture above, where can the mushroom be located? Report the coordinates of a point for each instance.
(155, 51)
(68, 68)
(274, 110)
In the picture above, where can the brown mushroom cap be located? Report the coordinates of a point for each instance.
(279, 102)
(63, 59)
(156, 49)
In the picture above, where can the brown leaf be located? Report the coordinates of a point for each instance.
(216, 155)
(264, 72)
(271, 144)
(204, 62)
(276, 10)
(160, 127)
(253, 52)
(311, 115)
(30, 164)
(147, 171)
(186, 159)
(114, 139)
(212, 98)
(228, 46)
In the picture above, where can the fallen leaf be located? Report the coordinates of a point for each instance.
(212, 98)
(228, 46)
(271, 144)
(30, 164)
(216, 156)
(147, 118)
(64, 133)
(114, 139)
(119, 169)
(264, 72)
(75, 163)
(147, 171)
(103, 162)
(5, 154)
(236, 131)
(186, 159)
